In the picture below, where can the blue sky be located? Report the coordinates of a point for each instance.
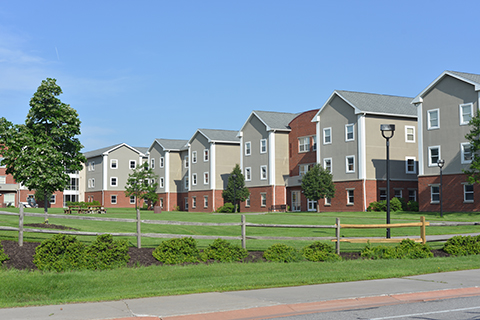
(140, 70)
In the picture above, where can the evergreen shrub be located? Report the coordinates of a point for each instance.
(320, 251)
(407, 249)
(462, 245)
(60, 253)
(282, 253)
(177, 251)
(223, 251)
(106, 253)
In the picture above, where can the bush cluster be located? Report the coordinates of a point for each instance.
(223, 251)
(396, 204)
(226, 208)
(407, 249)
(65, 252)
(317, 251)
(3, 255)
(320, 251)
(280, 252)
(462, 245)
(177, 251)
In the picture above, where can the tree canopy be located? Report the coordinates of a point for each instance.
(474, 138)
(141, 184)
(241, 192)
(39, 153)
(317, 184)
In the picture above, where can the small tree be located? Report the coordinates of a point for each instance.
(39, 153)
(236, 190)
(317, 184)
(140, 184)
(474, 138)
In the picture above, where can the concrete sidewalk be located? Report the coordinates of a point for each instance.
(255, 304)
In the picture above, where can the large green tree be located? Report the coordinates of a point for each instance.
(474, 138)
(141, 184)
(317, 184)
(236, 190)
(39, 152)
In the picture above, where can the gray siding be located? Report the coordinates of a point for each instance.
(254, 131)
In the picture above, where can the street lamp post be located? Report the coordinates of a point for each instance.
(388, 131)
(441, 163)
(234, 176)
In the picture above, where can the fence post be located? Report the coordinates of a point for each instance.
(20, 227)
(337, 234)
(244, 233)
(422, 230)
(139, 235)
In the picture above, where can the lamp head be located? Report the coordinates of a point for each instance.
(387, 130)
(441, 163)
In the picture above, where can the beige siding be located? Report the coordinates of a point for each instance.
(281, 158)
(227, 156)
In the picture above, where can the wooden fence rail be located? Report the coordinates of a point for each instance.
(243, 225)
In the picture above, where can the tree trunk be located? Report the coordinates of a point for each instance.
(45, 206)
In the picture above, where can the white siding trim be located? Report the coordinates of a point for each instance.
(362, 165)
(318, 143)
(166, 165)
(105, 173)
(213, 161)
(271, 159)
(421, 161)
(241, 152)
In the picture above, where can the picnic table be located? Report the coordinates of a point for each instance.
(80, 209)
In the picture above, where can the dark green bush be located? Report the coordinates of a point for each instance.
(177, 251)
(462, 245)
(222, 250)
(60, 253)
(83, 204)
(106, 253)
(413, 206)
(226, 208)
(320, 251)
(395, 205)
(404, 204)
(282, 253)
(407, 249)
(3, 255)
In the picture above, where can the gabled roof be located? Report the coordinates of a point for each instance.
(102, 151)
(171, 144)
(371, 103)
(218, 136)
(471, 78)
(273, 121)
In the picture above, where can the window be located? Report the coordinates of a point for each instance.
(194, 202)
(350, 164)
(303, 169)
(133, 164)
(314, 143)
(248, 174)
(383, 194)
(434, 194)
(194, 179)
(433, 156)
(328, 202)
(248, 148)
(327, 164)
(263, 172)
(433, 118)
(161, 202)
(205, 178)
(409, 134)
(113, 181)
(205, 201)
(113, 199)
(205, 155)
(247, 202)
(412, 195)
(398, 193)
(162, 182)
(263, 146)
(3, 166)
(91, 183)
(350, 197)
(468, 192)
(185, 160)
(132, 199)
(349, 135)
(91, 166)
(304, 144)
(263, 199)
(194, 156)
(3, 179)
(162, 162)
(186, 182)
(53, 199)
(327, 135)
(410, 166)
(186, 204)
(466, 113)
(466, 151)
(152, 163)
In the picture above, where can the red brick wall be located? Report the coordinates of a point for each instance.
(339, 203)
(301, 126)
(200, 200)
(58, 201)
(452, 194)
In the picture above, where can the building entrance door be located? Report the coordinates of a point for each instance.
(296, 205)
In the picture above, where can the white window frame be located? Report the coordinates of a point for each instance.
(112, 180)
(263, 172)
(263, 199)
(328, 202)
(325, 164)
(194, 156)
(347, 164)
(462, 152)
(414, 198)
(113, 199)
(462, 121)
(247, 202)
(303, 144)
(314, 143)
(350, 203)
(407, 135)
(194, 202)
(162, 162)
(205, 201)
(429, 123)
(130, 164)
(329, 129)
(398, 193)
(205, 155)
(152, 163)
(3, 179)
(185, 159)
(194, 179)
(414, 171)
(465, 192)
(91, 166)
(248, 148)
(248, 174)
(53, 199)
(434, 193)
(93, 182)
(347, 127)
(132, 199)
(162, 182)
(186, 182)
(205, 178)
(112, 161)
(263, 145)
(430, 164)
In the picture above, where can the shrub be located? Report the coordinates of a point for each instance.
(3, 255)
(105, 253)
(462, 245)
(60, 253)
(404, 204)
(176, 251)
(395, 204)
(413, 206)
(282, 253)
(377, 206)
(320, 251)
(226, 208)
(222, 250)
(407, 249)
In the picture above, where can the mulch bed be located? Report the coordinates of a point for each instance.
(22, 257)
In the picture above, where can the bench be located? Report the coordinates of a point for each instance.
(278, 207)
